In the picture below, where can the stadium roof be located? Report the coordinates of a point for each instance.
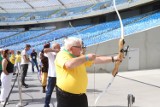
(14, 6)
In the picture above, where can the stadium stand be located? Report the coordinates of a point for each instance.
(91, 34)
(61, 12)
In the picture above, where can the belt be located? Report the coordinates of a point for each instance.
(67, 93)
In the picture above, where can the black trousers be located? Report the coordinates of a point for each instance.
(24, 68)
(65, 99)
(34, 62)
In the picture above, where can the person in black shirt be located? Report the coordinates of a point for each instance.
(34, 60)
(44, 70)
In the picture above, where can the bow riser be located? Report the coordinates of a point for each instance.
(120, 56)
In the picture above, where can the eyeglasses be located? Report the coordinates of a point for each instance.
(78, 47)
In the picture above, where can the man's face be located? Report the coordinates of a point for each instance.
(28, 48)
(76, 49)
(57, 46)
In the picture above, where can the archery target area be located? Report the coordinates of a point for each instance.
(143, 85)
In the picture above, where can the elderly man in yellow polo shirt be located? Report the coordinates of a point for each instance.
(71, 73)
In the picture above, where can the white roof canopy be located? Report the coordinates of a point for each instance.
(17, 6)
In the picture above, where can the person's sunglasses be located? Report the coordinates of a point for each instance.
(78, 47)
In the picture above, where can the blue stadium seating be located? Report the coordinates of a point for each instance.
(91, 34)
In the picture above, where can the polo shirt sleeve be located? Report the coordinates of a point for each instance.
(61, 60)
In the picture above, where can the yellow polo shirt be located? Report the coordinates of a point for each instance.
(74, 80)
(12, 58)
(18, 58)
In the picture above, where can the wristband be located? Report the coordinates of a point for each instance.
(112, 58)
(87, 58)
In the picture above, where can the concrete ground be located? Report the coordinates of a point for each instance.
(144, 85)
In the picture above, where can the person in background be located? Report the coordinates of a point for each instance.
(6, 76)
(71, 73)
(34, 60)
(44, 68)
(0, 64)
(83, 49)
(17, 61)
(51, 54)
(39, 60)
(24, 64)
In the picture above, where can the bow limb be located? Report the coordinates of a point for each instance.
(121, 43)
(120, 20)
(115, 70)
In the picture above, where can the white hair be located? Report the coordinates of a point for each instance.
(71, 41)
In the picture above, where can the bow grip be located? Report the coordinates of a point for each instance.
(120, 56)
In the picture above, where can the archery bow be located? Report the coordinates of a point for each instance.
(121, 43)
(120, 54)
